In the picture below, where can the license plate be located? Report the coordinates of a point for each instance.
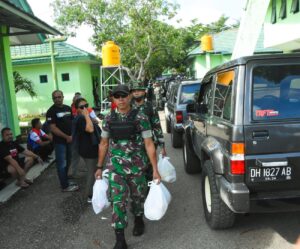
(265, 174)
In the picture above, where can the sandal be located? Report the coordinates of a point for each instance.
(28, 181)
(22, 185)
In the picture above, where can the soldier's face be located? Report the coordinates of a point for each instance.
(122, 100)
(138, 93)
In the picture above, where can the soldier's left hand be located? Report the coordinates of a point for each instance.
(156, 177)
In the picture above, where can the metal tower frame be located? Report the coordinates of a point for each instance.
(110, 76)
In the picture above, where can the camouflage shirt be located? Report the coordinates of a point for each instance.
(157, 132)
(130, 154)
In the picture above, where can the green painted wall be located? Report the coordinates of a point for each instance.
(10, 105)
(284, 33)
(200, 66)
(80, 81)
(86, 85)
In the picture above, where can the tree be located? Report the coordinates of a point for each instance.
(23, 84)
(149, 45)
(135, 25)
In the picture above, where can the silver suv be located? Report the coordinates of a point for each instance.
(181, 94)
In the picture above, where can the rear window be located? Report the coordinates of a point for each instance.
(276, 92)
(188, 93)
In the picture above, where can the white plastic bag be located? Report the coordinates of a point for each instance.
(157, 201)
(99, 200)
(166, 169)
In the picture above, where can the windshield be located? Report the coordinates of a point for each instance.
(276, 92)
(188, 93)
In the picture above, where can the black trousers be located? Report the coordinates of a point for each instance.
(44, 151)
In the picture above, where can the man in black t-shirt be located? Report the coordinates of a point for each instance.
(59, 117)
(11, 163)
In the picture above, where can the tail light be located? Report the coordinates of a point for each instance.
(179, 117)
(237, 160)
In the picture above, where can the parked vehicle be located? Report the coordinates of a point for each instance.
(181, 94)
(244, 134)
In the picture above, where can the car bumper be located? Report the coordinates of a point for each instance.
(235, 195)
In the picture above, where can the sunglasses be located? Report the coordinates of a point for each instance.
(83, 106)
(123, 96)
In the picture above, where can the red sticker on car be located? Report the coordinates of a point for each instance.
(266, 113)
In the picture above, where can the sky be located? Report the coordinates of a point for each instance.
(206, 11)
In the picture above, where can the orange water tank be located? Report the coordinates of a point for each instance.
(111, 55)
(206, 43)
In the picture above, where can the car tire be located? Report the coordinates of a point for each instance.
(217, 214)
(192, 164)
(176, 138)
(168, 126)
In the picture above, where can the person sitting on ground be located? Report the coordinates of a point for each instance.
(13, 163)
(38, 141)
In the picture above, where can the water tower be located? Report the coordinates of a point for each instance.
(111, 73)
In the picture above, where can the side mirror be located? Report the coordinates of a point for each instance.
(191, 108)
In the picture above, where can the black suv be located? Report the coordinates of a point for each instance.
(181, 94)
(244, 134)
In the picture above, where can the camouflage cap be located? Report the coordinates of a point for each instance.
(137, 85)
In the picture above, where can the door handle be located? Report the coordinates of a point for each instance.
(260, 134)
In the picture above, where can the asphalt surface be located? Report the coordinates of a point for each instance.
(44, 217)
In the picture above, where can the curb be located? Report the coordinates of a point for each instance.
(7, 192)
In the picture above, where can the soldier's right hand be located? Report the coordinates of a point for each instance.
(98, 174)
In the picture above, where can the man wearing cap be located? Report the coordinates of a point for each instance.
(138, 91)
(127, 134)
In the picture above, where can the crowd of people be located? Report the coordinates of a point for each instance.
(125, 144)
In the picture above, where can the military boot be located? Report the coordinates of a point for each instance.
(139, 226)
(120, 239)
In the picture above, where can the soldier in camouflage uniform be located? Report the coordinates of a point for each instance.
(138, 95)
(127, 133)
(138, 91)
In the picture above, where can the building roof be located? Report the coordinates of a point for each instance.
(24, 27)
(40, 53)
(223, 43)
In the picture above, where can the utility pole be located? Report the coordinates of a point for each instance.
(52, 54)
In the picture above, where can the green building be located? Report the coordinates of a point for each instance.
(282, 25)
(278, 20)
(77, 71)
(200, 61)
(18, 26)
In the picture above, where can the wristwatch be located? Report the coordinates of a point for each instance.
(99, 167)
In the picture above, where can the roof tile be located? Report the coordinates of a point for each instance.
(65, 51)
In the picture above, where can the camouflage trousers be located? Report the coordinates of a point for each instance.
(121, 187)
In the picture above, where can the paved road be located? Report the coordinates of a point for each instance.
(43, 217)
